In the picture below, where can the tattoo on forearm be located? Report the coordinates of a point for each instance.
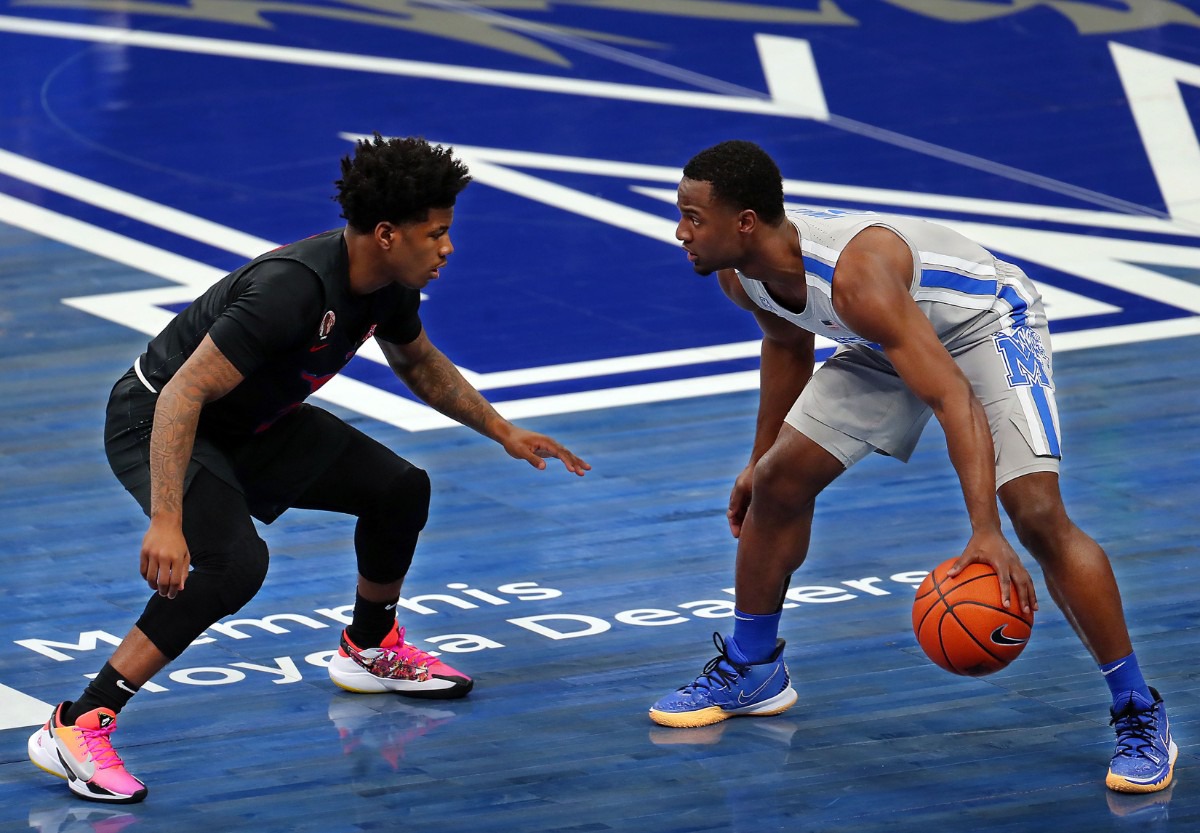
(170, 450)
(176, 415)
(439, 383)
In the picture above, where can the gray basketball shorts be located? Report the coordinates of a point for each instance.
(856, 404)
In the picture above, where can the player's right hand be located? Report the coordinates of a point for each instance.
(992, 548)
(739, 500)
(165, 557)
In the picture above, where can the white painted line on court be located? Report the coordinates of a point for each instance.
(793, 106)
(106, 244)
(1168, 133)
(126, 204)
(19, 710)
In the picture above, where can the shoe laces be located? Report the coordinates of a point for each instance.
(414, 654)
(1136, 729)
(100, 746)
(720, 672)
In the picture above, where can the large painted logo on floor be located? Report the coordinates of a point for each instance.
(570, 293)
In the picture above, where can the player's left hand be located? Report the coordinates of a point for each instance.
(534, 448)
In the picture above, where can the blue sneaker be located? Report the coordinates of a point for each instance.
(1145, 758)
(727, 688)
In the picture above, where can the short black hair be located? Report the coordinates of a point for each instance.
(742, 175)
(397, 181)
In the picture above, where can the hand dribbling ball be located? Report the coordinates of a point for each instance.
(961, 623)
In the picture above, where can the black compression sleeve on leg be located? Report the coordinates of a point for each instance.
(229, 563)
(386, 535)
(388, 495)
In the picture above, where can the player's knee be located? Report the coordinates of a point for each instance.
(1040, 526)
(244, 573)
(777, 486)
(386, 536)
(413, 487)
(221, 582)
(406, 498)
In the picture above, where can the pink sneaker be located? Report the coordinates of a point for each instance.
(396, 666)
(83, 754)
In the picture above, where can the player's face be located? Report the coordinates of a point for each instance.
(422, 248)
(707, 228)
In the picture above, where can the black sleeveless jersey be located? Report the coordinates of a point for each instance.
(288, 322)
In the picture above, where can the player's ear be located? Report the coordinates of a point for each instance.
(384, 234)
(747, 220)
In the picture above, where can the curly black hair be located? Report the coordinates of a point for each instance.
(397, 181)
(742, 176)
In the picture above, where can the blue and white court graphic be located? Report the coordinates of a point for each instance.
(147, 147)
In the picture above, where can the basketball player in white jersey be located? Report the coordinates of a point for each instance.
(929, 323)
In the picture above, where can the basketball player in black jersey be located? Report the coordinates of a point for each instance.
(209, 428)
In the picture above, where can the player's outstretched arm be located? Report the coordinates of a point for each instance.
(434, 378)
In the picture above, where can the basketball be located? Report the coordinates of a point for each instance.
(961, 623)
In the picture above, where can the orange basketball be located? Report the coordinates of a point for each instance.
(961, 624)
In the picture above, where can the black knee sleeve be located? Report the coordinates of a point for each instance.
(219, 584)
(244, 575)
(387, 531)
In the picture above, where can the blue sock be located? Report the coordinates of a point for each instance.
(1124, 676)
(754, 635)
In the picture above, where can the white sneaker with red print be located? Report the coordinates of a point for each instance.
(397, 667)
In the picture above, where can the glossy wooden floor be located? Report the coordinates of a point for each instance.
(537, 583)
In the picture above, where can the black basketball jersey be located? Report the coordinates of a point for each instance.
(288, 322)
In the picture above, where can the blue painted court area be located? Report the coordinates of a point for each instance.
(146, 149)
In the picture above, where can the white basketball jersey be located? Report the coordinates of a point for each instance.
(955, 281)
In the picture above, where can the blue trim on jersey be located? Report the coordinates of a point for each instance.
(965, 284)
(819, 268)
(1047, 416)
(1019, 307)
